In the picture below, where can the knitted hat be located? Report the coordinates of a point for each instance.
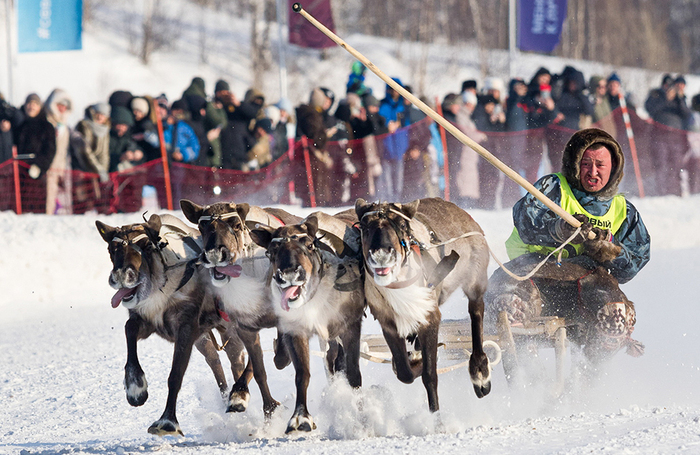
(614, 78)
(265, 124)
(122, 115)
(140, 104)
(102, 108)
(370, 100)
(468, 84)
(285, 105)
(32, 97)
(221, 85)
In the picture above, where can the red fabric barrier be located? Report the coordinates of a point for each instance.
(662, 153)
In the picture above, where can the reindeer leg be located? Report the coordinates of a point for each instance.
(240, 394)
(301, 419)
(235, 350)
(428, 337)
(205, 345)
(479, 369)
(351, 346)
(397, 346)
(251, 339)
(282, 359)
(135, 382)
(185, 338)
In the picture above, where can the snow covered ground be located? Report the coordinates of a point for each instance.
(62, 353)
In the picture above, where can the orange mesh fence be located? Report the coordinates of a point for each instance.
(342, 174)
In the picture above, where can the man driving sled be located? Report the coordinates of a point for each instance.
(583, 288)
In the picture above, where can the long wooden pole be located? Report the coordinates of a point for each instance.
(463, 138)
(633, 144)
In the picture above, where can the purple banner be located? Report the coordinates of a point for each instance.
(539, 24)
(303, 33)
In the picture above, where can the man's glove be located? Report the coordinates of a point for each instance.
(601, 248)
(564, 230)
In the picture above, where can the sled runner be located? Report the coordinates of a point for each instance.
(455, 345)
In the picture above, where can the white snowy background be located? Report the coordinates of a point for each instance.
(62, 347)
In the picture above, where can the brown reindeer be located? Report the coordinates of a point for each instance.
(410, 273)
(237, 268)
(315, 291)
(164, 293)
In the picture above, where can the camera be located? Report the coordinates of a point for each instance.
(7, 111)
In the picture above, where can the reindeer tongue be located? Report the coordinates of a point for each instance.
(382, 271)
(233, 270)
(121, 293)
(288, 292)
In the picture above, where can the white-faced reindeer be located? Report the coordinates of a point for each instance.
(317, 289)
(155, 278)
(410, 273)
(237, 268)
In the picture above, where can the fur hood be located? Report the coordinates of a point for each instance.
(573, 152)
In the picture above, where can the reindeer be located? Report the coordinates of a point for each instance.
(237, 267)
(156, 281)
(416, 255)
(317, 289)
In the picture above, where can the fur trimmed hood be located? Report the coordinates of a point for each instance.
(573, 152)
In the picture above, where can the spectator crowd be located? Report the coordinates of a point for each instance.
(402, 153)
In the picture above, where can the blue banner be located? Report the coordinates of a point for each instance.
(539, 24)
(49, 25)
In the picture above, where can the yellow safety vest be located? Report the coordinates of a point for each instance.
(611, 220)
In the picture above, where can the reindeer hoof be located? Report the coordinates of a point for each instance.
(271, 408)
(300, 423)
(136, 387)
(482, 390)
(238, 401)
(165, 427)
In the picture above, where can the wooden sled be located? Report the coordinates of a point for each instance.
(507, 346)
(548, 332)
(455, 344)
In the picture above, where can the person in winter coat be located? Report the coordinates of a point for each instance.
(671, 113)
(311, 124)
(36, 136)
(144, 131)
(58, 178)
(395, 144)
(237, 133)
(576, 109)
(356, 80)
(123, 151)
(180, 139)
(94, 128)
(586, 187)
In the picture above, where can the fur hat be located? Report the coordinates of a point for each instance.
(573, 152)
(140, 104)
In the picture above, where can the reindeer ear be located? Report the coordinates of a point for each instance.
(410, 209)
(361, 207)
(311, 224)
(262, 235)
(107, 232)
(243, 210)
(191, 210)
(152, 228)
